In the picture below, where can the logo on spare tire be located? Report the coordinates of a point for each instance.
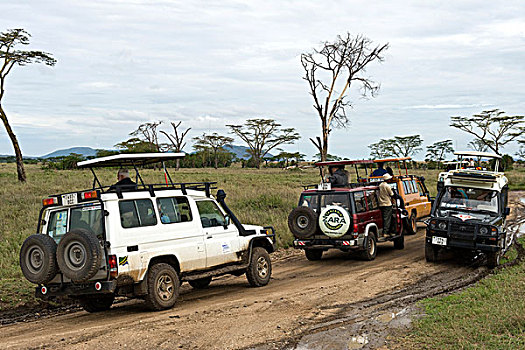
(333, 219)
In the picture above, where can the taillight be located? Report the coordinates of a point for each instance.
(113, 266)
(88, 195)
(50, 201)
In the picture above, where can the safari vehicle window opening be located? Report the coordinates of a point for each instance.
(362, 202)
(138, 216)
(176, 202)
(201, 209)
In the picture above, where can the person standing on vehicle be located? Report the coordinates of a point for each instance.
(338, 176)
(124, 181)
(380, 171)
(386, 195)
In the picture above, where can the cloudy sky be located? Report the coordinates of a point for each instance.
(212, 63)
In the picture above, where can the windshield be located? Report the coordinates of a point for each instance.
(314, 201)
(468, 199)
(87, 217)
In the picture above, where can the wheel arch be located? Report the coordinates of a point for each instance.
(169, 259)
(262, 242)
(371, 228)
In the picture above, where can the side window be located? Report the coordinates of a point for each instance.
(414, 186)
(139, 212)
(210, 214)
(406, 187)
(174, 209)
(360, 205)
(310, 201)
(87, 218)
(371, 198)
(57, 226)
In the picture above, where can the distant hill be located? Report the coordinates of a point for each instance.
(241, 152)
(85, 151)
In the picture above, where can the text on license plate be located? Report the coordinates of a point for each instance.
(439, 240)
(68, 199)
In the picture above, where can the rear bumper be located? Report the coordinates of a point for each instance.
(484, 243)
(73, 289)
(344, 244)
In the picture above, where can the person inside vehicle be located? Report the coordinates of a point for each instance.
(380, 171)
(338, 176)
(124, 182)
(386, 195)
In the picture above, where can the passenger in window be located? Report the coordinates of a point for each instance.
(380, 171)
(124, 182)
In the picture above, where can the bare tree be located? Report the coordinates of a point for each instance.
(399, 146)
(330, 73)
(478, 145)
(214, 141)
(263, 135)
(492, 128)
(9, 57)
(177, 140)
(438, 150)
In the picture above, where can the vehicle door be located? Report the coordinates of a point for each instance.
(221, 236)
(424, 200)
(361, 212)
(373, 209)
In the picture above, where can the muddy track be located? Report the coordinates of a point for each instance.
(338, 302)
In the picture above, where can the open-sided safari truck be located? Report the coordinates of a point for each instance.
(347, 218)
(470, 210)
(411, 188)
(140, 240)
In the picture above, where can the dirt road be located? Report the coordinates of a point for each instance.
(229, 314)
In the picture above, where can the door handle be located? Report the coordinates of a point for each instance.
(209, 236)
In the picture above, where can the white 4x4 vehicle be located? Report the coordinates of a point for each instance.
(140, 241)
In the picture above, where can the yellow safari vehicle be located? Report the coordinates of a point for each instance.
(411, 188)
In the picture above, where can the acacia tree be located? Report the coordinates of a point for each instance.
(263, 135)
(398, 146)
(9, 57)
(493, 128)
(177, 140)
(438, 150)
(214, 141)
(478, 145)
(148, 133)
(330, 73)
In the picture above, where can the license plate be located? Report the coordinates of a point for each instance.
(68, 199)
(439, 240)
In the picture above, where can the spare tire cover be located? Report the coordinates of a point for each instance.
(38, 258)
(334, 221)
(79, 255)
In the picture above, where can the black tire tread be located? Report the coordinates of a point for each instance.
(200, 283)
(97, 303)
(313, 254)
(251, 272)
(307, 232)
(365, 254)
(49, 247)
(94, 260)
(152, 302)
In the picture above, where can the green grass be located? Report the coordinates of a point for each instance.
(488, 315)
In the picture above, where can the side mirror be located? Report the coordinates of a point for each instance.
(226, 221)
(506, 211)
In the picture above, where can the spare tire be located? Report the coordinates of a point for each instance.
(334, 221)
(79, 255)
(302, 222)
(38, 258)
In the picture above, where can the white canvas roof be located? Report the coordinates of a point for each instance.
(129, 159)
(477, 154)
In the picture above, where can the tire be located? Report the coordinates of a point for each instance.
(163, 287)
(399, 243)
(302, 222)
(79, 255)
(431, 252)
(410, 224)
(493, 259)
(201, 283)
(97, 303)
(259, 271)
(313, 254)
(370, 248)
(38, 258)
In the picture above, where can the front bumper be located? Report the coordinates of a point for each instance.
(73, 289)
(344, 244)
(468, 241)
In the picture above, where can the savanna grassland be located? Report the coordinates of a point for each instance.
(263, 197)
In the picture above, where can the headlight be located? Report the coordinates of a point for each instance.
(483, 230)
(442, 225)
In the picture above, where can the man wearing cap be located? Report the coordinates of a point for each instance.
(386, 194)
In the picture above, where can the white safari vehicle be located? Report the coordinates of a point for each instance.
(140, 240)
(470, 209)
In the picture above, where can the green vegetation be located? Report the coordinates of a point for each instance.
(489, 315)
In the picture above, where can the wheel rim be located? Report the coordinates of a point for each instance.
(371, 246)
(35, 260)
(75, 256)
(165, 287)
(302, 222)
(262, 267)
